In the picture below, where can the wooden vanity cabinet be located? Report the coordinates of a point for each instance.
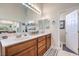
(33, 47)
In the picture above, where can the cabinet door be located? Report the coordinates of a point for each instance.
(41, 45)
(17, 48)
(32, 51)
(48, 41)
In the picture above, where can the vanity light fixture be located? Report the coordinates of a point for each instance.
(32, 7)
(6, 21)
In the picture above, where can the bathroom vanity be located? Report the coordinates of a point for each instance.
(34, 45)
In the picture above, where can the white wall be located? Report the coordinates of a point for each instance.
(51, 14)
(62, 31)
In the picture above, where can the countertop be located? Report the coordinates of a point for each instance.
(11, 41)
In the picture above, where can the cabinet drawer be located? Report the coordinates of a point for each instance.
(41, 50)
(12, 50)
(43, 42)
(32, 51)
(41, 38)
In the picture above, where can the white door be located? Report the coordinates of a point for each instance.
(72, 31)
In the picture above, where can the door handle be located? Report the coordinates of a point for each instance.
(78, 31)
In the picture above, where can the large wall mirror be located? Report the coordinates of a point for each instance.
(8, 26)
(21, 15)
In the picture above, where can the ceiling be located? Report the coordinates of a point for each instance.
(52, 9)
(59, 6)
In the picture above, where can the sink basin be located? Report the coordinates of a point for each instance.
(4, 37)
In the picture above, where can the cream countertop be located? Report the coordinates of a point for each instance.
(12, 40)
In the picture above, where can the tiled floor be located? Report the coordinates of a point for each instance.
(67, 49)
(65, 53)
(51, 52)
(55, 52)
